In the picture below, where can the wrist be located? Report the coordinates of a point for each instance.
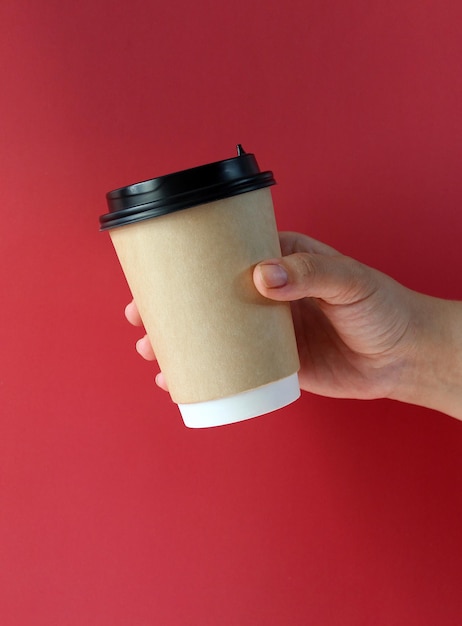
(431, 373)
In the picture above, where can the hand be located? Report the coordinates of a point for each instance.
(352, 322)
(360, 334)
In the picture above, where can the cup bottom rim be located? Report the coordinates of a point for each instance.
(242, 406)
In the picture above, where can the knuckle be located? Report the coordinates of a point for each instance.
(361, 283)
(304, 265)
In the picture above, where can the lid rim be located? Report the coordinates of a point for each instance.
(158, 208)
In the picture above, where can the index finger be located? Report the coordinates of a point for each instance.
(292, 243)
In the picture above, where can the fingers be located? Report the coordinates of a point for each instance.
(144, 349)
(161, 382)
(336, 279)
(296, 242)
(132, 314)
(143, 345)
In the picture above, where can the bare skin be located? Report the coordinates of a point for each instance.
(360, 334)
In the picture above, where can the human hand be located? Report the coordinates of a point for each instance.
(352, 322)
(360, 334)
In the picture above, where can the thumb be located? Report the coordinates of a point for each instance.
(335, 279)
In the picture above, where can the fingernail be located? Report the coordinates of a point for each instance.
(273, 275)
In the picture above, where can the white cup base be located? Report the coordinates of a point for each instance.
(242, 406)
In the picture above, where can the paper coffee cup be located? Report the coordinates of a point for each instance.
(188, 243)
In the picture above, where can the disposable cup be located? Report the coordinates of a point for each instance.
(188, 243)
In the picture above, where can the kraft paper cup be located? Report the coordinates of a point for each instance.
(188, 243)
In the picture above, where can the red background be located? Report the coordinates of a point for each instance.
(328, 512)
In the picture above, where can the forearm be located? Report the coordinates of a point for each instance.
(432, 372)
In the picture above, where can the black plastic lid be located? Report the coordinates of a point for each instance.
(185, 189)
